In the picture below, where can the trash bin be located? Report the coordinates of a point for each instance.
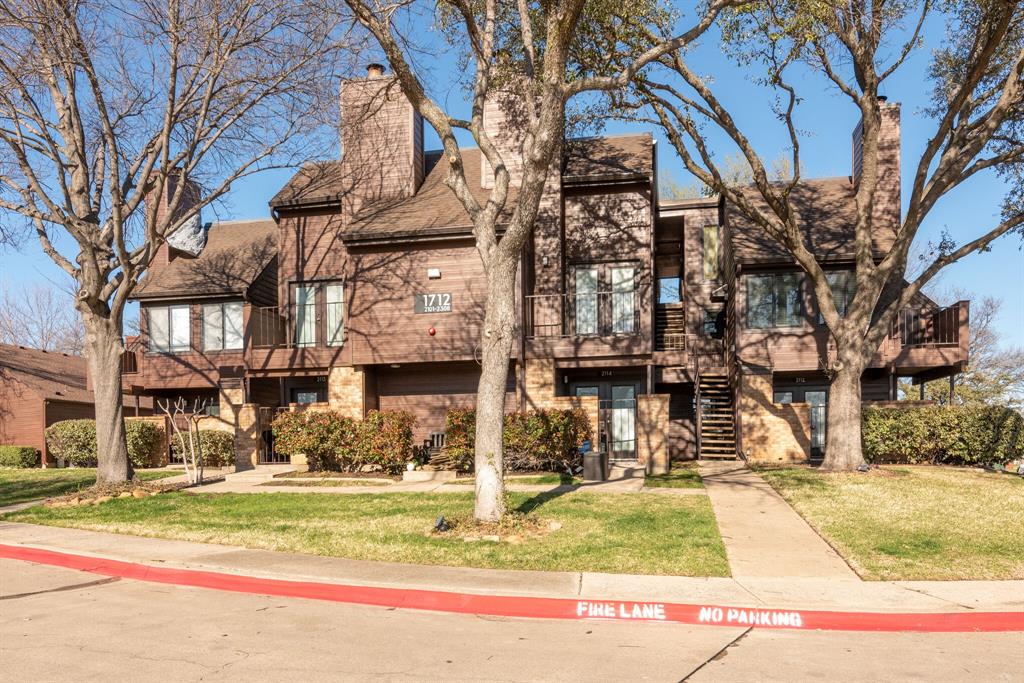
(595, 466)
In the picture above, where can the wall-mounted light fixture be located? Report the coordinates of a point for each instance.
(544, 261)
(433, 273)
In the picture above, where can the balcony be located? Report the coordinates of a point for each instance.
(597, 323)
(274, 343)
(938, 339)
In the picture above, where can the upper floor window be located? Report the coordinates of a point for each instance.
(169, 328)
(669, 291)
(773, 300)
(711, 248)
(605, 300)
(308, 298)
(843, 284)
(222, 326)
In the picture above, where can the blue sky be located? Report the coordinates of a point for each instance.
(826, 118)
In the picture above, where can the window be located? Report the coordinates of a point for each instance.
(304, 396)
(168, 328)
(586, 300)
(222, 326)
(714, 324)
(334, 297)
(783, 397)
(623, 303)
(711, 236)
(669, 291)
(305, 315)
(843, 284)
(773, 300)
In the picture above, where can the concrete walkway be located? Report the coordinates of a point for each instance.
(765, 537)
(778, 593)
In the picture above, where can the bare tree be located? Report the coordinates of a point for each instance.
(42, 318)
(855, 46)
(106, 104)
(191, 447)
(538, 55)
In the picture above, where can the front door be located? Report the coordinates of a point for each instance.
(616, 416)
(818, 401)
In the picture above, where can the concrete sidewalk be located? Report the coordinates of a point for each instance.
(765, 537)
(789, 593)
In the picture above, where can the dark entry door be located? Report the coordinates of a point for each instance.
(616, 415)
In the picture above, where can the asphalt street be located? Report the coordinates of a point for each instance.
(64, 625)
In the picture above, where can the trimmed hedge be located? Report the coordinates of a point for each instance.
(75, 441)
(943, 435)
(218, 447)
(18, 456)
(331, 441)
(535, 440)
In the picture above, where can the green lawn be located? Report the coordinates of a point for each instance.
(325, 481)
(683, 475)
(914, 523)
(18, 486)
(551, 478)
(600, 532)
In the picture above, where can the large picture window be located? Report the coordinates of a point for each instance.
(318, 313)
(843, 285)
(169, 329)
(774, 300)
(222, 326)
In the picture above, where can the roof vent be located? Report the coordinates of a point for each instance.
(374, 70)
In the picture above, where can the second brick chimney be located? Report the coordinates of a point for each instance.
(887, 194)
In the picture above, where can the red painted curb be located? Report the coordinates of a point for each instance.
(536, 608)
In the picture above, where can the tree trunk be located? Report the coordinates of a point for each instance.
(843, 451)
(103, 348)
(496, 345)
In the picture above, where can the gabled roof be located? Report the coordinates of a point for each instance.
(235, 253)
(608, 158)
(435, 210)
(51, 375)
(827, 209)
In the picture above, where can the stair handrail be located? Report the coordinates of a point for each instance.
(700, 408)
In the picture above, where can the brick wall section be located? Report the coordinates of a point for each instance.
(651, 432)
(772, 432)
(346, 391)
(247, 437)
(539, 387)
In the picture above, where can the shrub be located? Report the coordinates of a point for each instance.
(948, 435)
(218, 447)
(326, 438)
(385, 440)
(18, 456)
(546, 440)
(143, 439)
(74, 441)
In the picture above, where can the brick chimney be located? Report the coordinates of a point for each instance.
(167, 252)
(887, 195)
(503, 122)
(381, 140)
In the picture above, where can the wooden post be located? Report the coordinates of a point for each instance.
(952, 388)
(920, 388)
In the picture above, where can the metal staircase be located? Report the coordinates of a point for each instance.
(715, 426)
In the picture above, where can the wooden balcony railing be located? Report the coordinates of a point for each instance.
(597, 314)
(268, 328)
(941, 328)
(670, 327)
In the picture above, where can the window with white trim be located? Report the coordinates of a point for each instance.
(223, 326)
(169, 328)
(773, 300)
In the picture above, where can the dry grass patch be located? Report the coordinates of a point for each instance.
(914, 522)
